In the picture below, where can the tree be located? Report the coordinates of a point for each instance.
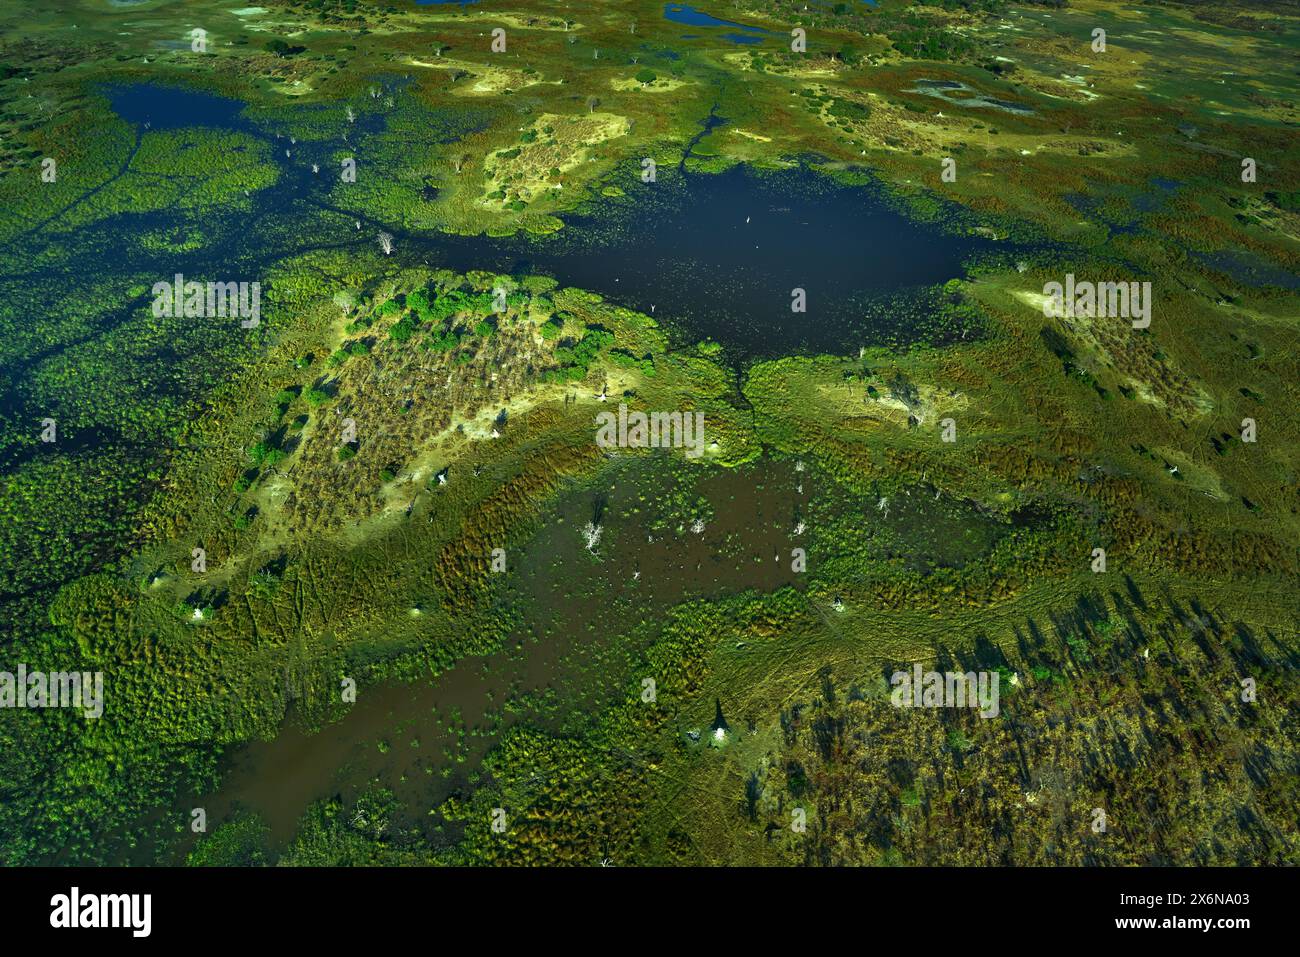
(346, 300)
(403, 329)
(282, 49)
(592, 103)
(386, 243)
(645, 76)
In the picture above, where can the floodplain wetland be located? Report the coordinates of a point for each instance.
(363, 584)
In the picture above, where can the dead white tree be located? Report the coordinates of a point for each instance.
(386, 243)
(345, 300)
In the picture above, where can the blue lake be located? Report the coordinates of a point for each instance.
(170, 108)
(720, 254)
(686, 14)
(709, 255)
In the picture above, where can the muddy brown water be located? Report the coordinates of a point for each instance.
(424, 739)
(588, 615)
